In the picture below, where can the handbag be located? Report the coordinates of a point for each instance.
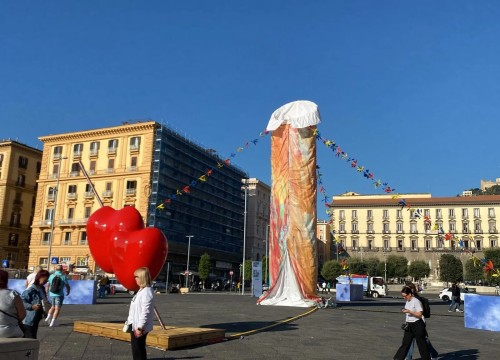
(127, 328)
(405, 327)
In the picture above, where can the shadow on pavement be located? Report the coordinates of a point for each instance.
(471, 354)
(177, 358)
(240, 327)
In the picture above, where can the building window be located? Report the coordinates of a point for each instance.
(413, 228)
(414, 245)
(71, 213)
(342, 215)
(399, 227)
(428, 244)
(112, 146)
(386, 228)
(386, 214)
(92, 167)
(55, 170)
(491, 212)
(451, 213)
(354, 228)
(82, 261)
(88, 212)
(354, 214)
(399, 214)
(72, 192)
(77, 150)
(21, 180)
(493, 243)
(466, 244)
(386, 244)
(465, 227)
(135, 143)
(49, 214)
(465, 212)
(83, 238)
(354, 244)
(476, 212)
(1, 160)
(370, 244)
(94, 148)
(439, 215)
(440, 242)
(133, 163)
(342, 228)
(46, 238)
(108, 192)
(400, 245)
(65, 260)
(370, 228)
(111, 165)
(478, 244)
(75, 169)
(427, 226)
(67, 238)
(43, 261)
(13, 239)
(427, 212)
(452, 226)
(131, 187)
(369, 214)
(23, 162)
(15, 219)
(38, 167)
(57, 152)
(477, 227)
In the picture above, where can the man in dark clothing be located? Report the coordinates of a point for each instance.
(455, 298)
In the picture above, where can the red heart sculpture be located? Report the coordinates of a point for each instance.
(134, 249)
(102, 224)
(120, 244)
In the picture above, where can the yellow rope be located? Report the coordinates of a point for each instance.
(235, 336)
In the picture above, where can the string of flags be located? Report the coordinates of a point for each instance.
(204, 177)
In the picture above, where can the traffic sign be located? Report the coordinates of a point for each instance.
(54, 260)
(5, 263)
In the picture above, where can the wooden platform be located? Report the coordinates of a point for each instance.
(168, 339)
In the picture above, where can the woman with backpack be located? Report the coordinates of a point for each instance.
(414, 326)
(33, 298)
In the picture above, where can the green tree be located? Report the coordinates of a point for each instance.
(331, 270)
(204, 267)
(373, 267)
(473, 272)
(419, 269)
(450, 268)
(356, 266)
(397, 266)
(492, 190)
(248, 270)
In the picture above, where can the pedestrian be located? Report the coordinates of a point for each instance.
(414, 326)
(140, 315)
(432, 351)
(455, 298)
(31, 277)
(328, 286)
(12, 312)
(103, 283)
(33, 298)
(323, 287)
(57, 283)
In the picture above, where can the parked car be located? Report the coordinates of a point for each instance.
(119, 288)
(159, 286)
(446, 293)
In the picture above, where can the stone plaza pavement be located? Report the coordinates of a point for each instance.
(362, 330)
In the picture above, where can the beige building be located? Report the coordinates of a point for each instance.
(19, 170)
(324, 242)
(258, 200)
(118, 161)
(485, 184)
(379, 225)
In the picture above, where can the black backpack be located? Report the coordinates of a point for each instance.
(426, 308)
(56, 285)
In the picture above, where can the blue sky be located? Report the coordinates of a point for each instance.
(410, 89)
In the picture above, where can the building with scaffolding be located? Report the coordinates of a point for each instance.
(136, 164)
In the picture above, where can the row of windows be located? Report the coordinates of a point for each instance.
(427, 227)
(134, 144)
(428, 244)
(130, 189)
(66, 238)
(22, 163)
(418, 213)
(76, 170)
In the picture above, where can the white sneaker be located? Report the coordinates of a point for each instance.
(458, 310)
(47, 319)
(53, 323)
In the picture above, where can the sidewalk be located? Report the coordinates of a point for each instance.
(369, 329)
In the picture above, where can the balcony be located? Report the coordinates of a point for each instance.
(109, 170)
(94, 152)
(400, 232)
(53, 176)
(465, 231)
(88, 195)
(46, 222)
(66, 222)
(493, 231)
(51, 197)
(413, 231)
(355, 232)
(341, 231)
(111, 150)
(132, 168)
(74, 173)
(72, 196)
(107, 194)
(92, 172)
(56, 156)
(386, 231)
(131, 192)
(134, 148)
(478, 231)
(77, 154)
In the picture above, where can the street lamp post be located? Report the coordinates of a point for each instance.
(187, 266)
(52, 218)
(244, 238)
(385, 267)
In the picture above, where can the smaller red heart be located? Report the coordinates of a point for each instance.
(134, 249)
(100, 227)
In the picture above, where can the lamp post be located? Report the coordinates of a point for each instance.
(385, 267)
(52, 218)
(187, 265)
(245, 181)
